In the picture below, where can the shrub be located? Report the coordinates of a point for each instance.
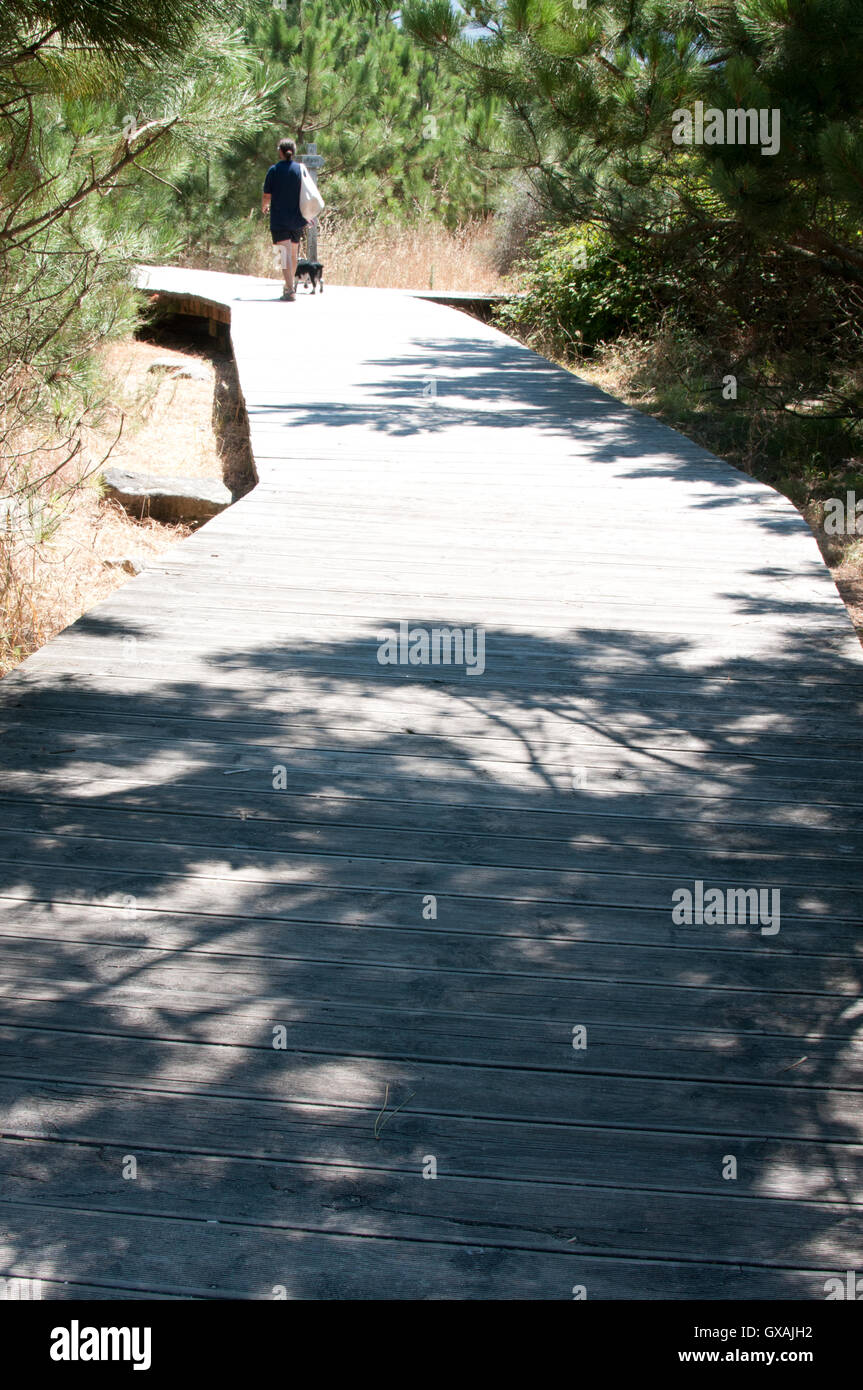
(581, 290)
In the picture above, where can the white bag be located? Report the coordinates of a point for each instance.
(311, 202)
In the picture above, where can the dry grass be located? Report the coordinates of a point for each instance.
(422, 257)
(169, 427)
(46, 586)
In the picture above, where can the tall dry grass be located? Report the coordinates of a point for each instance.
(424, 256)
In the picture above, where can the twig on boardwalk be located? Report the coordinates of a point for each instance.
(378, 1125)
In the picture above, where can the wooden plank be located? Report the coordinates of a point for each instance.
(582, 821)
(775, 867)
(223, 897)
(808, 715)
(97, 891)
(483, 780)
(547, 736)
(377, 604)
(214, 664)
(725, 1110)
(485, 885)
(232, 1260)
(808, 687)
(819, 1060)
(634, 948)
(350, 1200)
(559, 1089)
(295, 1131)
(543, 733)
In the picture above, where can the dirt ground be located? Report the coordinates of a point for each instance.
(166, 426)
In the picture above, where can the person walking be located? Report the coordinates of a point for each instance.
(282, 200)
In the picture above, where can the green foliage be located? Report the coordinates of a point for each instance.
(583, 289)
(116, 28)
(591, 97)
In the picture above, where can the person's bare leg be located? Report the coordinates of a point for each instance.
(294, 248)
(288, 264)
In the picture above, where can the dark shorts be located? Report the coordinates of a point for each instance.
(286, 234)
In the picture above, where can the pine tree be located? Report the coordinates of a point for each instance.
(396, 128)
(591, 90)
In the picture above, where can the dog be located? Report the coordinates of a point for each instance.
(311, 273)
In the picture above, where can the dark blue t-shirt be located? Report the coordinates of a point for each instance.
(283, 183)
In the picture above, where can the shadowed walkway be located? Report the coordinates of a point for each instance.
(295, 930)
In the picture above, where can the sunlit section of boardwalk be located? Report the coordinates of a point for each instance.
(345, 979)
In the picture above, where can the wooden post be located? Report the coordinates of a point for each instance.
(312, 161)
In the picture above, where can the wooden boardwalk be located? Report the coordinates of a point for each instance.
(285, 929)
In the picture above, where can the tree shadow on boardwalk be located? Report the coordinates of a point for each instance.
(457, 874)
(489, 384)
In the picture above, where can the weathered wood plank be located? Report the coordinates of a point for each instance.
(736, 719)
(550, 745)
(448, 776)
(559, 1095)
(637, 952)
(291, 1130)
(431, 845)
(818, 1060)
(466, 882)
(552, 831)
(233, 1260)
(360, 1201)
(807, 943)
(461, 995)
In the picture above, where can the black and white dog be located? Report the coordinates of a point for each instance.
(311, 273)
